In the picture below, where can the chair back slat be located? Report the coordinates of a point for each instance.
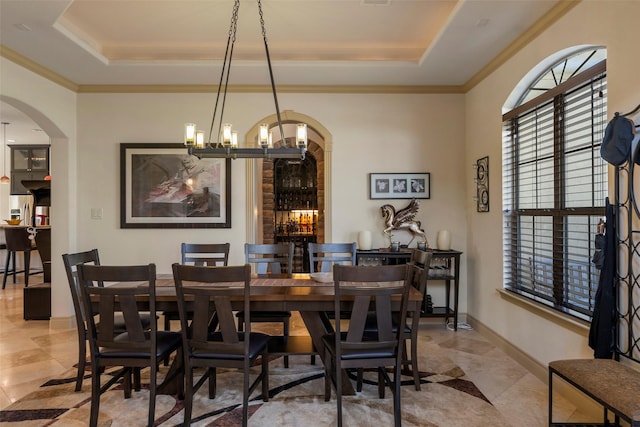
(211, 290)
(274, 258)
(210, 254)
(116, 299)
(323, 256)
(373, 289)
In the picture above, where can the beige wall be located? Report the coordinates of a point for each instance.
(604, 23)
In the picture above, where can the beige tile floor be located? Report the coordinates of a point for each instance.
(31, 353)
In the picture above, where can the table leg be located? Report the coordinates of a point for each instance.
(317, 328)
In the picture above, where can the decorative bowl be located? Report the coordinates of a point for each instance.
(322, 277)
(13, 221)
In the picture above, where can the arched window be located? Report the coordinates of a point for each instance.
(555, 183)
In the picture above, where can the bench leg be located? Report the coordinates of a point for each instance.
(550, 411)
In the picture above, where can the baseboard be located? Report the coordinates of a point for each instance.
(584, 404)
(62, 322)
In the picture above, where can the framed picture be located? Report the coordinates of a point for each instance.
(399, 185)
(162, 186)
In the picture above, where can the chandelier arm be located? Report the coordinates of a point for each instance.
(273, 84)
(231, 39)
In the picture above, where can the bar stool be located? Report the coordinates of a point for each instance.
(17, 240)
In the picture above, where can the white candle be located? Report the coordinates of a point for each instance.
(364, 240)
(443, 240)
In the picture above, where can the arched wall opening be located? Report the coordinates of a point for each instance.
(260, 215)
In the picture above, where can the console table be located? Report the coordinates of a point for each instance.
(445, 266)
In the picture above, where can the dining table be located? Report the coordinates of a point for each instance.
(296, 292)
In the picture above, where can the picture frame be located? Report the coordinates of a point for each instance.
(415, 185)
(162, 186)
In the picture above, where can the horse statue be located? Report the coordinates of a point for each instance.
(403, 220)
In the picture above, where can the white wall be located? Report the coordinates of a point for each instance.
(53, 108)
(596, 23)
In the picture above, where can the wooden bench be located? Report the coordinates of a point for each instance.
(612, 384)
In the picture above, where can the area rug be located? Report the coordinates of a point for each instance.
(297, 399)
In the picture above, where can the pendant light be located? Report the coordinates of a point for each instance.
(4, 179)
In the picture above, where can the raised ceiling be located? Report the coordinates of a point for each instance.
(312, 42)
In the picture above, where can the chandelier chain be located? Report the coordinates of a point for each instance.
(226, 66)
(273, 84)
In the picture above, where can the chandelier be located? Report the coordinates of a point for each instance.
(226, 146)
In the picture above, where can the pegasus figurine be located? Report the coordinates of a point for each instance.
(403, 220)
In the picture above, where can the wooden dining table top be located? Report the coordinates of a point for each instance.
(298, 287)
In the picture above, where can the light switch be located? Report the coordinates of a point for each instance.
(96, 213)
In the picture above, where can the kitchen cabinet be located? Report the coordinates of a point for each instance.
(28, 162)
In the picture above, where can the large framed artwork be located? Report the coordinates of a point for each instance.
(400, 185)
(162, 186)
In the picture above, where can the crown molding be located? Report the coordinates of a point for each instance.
(33, 66)
(554, 14)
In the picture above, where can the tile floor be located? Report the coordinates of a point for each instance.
(31, 353)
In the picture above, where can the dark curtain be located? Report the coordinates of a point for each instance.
(602, 333)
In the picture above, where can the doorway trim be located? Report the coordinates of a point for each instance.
(254, 169)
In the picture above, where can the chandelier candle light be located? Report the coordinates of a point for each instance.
(227, 145)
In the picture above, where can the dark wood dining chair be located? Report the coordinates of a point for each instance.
(136, 347)
(212, 340)
(420, 261)
(354, 347)
(71, 262)
(211, 254)
(272, 259)
(323, 256)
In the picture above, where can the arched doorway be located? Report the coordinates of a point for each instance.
(261, 215)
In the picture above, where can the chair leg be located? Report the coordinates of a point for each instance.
(188, 398)
(152, 390)
(285, 333)
(82, 361)
(211, 372)
(397, 410)
(265, 377)
(27, 267)
(95, 393)
(327, 377)
(414, 362)
(6, 269)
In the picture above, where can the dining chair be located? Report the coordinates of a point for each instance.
(210, 254)
(136, 348)
(273, 259)
(420, 261)
(71, 262)
(212, 340)
(371, 288)
(323, 256)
